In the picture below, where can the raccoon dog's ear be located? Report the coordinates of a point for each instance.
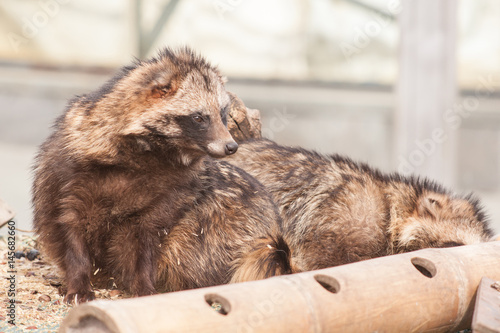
(164, 87)
(429, 206)
(163, 91)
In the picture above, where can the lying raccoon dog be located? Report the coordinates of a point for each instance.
(125, 187)
(337, 211)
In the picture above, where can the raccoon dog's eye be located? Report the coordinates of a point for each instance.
(198, 119)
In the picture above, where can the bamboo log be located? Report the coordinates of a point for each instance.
(430, 290)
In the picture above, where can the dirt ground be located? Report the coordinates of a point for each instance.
(39, 306)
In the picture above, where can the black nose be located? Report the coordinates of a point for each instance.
(231, 148)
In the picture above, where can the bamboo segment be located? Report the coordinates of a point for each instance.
(430, 290)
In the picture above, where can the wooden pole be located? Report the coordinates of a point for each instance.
(243, 123)
(430, 290)
(427, 89)
(486, 317)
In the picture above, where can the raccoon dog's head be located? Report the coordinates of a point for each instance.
(176, 101)
(440, 220)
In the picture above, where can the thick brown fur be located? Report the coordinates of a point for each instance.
(124, 188)
(337, 211)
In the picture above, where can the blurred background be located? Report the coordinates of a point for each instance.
(410, 86)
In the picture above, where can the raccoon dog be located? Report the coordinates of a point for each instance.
(125, 187)
(337, 211)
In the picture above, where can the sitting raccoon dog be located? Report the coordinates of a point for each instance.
(337, 211)
(125, 187)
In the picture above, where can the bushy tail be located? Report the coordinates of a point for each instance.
(269, 256)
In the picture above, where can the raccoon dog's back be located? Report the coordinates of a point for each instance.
(338, 211)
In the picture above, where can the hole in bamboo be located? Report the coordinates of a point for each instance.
(218, 303)
(91, 323)
(329, 283)
(424, 266)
